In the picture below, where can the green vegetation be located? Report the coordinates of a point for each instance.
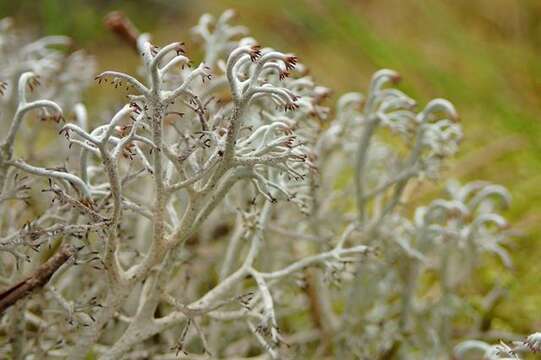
(484, 57)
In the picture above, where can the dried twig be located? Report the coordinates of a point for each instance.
(37, 279)
(121, 25)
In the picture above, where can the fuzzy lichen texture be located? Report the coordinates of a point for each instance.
(225, 211)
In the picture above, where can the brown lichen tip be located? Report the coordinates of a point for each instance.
(396, 78)
(121, 25)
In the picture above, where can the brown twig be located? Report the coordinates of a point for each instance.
(121, 25)
(315, 307)
(37, 279)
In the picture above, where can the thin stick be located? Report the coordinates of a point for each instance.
(37, 279)
(121, 25)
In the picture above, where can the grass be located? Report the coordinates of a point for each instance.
(484, 57)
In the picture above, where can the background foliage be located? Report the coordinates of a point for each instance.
(483, 55)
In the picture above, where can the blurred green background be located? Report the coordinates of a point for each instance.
(483, 55)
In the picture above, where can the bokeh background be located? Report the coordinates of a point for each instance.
(483, 55)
